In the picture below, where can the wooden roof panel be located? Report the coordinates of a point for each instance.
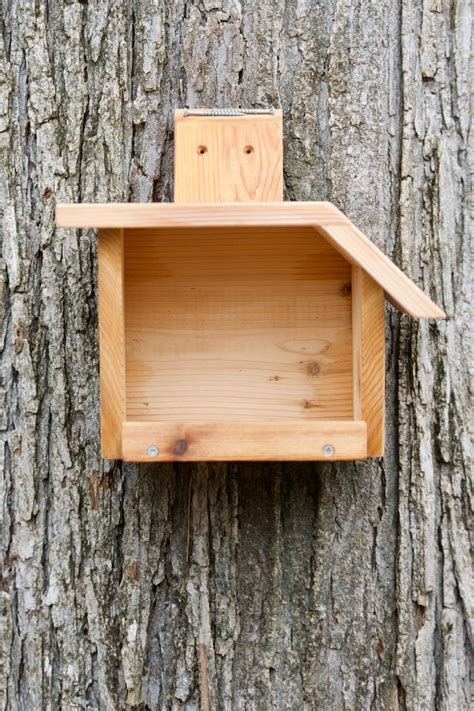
(332, 224)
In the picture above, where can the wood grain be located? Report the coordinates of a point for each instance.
(170, 214)
(368, 336)
(111, 341)
(243, 324)
(258, 440)
(228, 159)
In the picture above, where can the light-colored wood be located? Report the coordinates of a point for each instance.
(241, 324)
(323, 216)
(368, 337)
(170, 214)
(356, 292)
(111, 341)
(228, 158)
(221, 441)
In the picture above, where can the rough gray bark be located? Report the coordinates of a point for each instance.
(233, 586)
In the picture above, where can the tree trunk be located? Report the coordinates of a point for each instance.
(233, 586)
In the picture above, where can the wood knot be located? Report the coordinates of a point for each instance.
(346, 290)
(180, 447)
(313, 368)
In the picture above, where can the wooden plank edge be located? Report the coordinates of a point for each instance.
(242, 441)
(164, 215)
(368, 344)
(111, 341)
(356, 295)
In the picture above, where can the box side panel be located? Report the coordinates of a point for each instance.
(112, 341)
(368, 316)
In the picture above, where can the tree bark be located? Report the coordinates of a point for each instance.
(240, 586)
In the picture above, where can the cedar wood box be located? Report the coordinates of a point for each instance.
(234, 325)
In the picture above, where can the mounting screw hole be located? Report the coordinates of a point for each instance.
(248, 150)
(153, 451)
(202, 150)
(328, 450)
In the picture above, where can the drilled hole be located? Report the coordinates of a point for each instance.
(201, 150)
(248, 150)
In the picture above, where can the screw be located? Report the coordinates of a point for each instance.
(153, 451)
(328, 450)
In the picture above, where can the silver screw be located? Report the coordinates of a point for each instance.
(328, 450)
(227, 112)
(153, 451)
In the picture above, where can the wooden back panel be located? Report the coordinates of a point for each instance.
(228, 158)
(241, 324)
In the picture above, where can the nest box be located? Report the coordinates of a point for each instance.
(234, 325)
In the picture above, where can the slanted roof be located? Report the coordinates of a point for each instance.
(326, 219)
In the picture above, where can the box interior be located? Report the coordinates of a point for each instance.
(236, 324)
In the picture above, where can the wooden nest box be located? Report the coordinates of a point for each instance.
(234, 325)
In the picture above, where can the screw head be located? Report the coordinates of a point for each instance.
(328, 450)
(153, 451)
